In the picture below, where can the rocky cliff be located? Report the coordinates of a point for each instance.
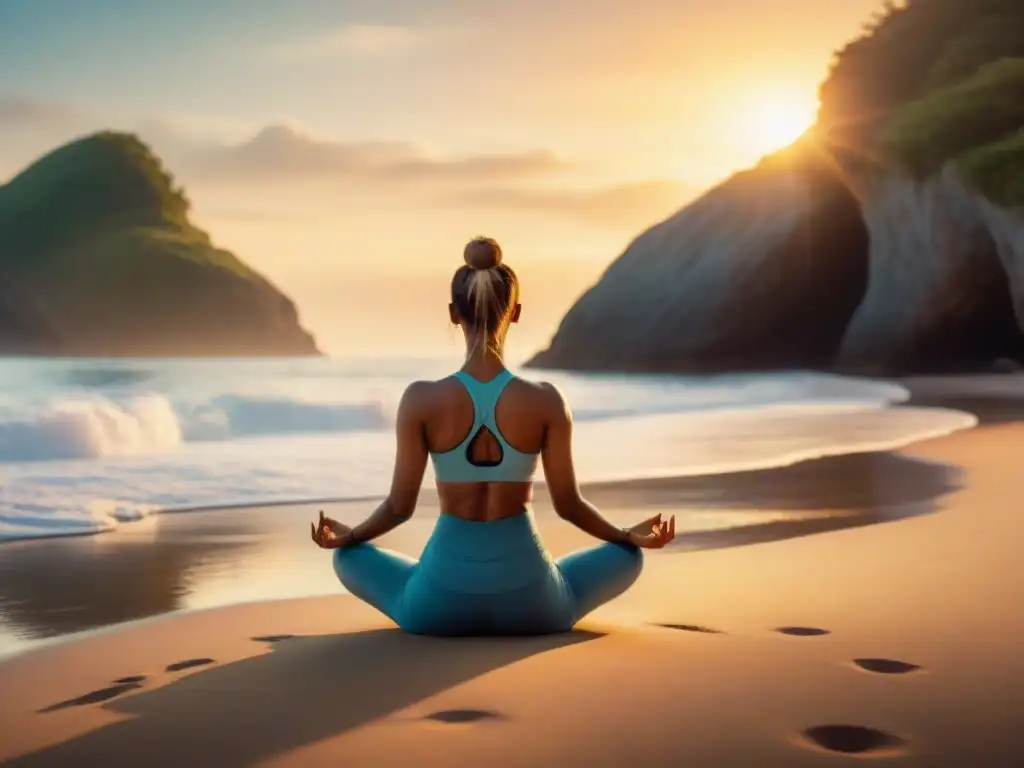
(762, 272)
(938, 296)
(98, 257)
(773, 271)
(889, 240)
(1007, 230)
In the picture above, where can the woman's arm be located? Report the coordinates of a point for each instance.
(560, 475)
(410, 463)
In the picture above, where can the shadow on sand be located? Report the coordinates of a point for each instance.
(780, 530)
(304, 690)
(857, 482)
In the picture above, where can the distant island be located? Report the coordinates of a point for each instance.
(98, 257)
(888, 240)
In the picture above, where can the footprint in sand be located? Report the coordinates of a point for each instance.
(121, 686)
(802, 631)
(886, 666)
(271, 638)
(457, 716)
(692, 628)
(187, 664)
(853, 739)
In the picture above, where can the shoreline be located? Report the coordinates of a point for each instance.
(949, 394)
(540, 489)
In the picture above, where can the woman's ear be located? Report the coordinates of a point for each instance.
(515, 313)
(453, 314)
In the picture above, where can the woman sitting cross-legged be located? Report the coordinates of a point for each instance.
(484, 570)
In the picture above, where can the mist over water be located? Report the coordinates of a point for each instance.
(88, 445)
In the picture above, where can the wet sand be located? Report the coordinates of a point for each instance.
(187, 561)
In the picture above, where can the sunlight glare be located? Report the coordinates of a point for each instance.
(774, 123)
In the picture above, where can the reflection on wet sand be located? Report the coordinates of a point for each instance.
(204, 559)
(813, 497)
(856, 483)
(989, 408)
(55, 587)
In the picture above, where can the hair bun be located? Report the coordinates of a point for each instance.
(482, 253)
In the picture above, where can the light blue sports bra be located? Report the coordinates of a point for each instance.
(454, 466)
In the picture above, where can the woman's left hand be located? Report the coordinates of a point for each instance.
(653, 533)
(330, 534)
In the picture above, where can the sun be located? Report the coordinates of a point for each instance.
(776, 122)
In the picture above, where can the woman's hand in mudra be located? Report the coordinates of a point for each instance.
(653, 533)
(330, 534)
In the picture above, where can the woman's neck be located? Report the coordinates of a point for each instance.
(484, 358)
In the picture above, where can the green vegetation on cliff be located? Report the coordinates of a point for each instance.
(96, 241)
(911, 49)
(998, 170)
(963, 119)
(91, 189)
(933, 81)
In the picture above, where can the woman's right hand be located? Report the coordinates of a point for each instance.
(653, 533)
(330, 534)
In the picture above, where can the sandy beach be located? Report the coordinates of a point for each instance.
(874, 611)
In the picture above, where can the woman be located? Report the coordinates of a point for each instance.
(484, 569)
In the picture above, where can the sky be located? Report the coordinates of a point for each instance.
(349, 148)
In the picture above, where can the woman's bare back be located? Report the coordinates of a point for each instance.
(521, 415)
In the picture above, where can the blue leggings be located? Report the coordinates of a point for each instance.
(493, 578)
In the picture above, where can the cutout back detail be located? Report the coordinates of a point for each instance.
(484, 449)
(484, 455)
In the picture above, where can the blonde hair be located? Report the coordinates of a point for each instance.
(485, 292)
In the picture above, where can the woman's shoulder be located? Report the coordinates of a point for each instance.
(428, 394)
(544, 394)
(544, 387)
(417, 391)
(418, 396)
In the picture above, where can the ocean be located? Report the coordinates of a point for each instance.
(93, 446)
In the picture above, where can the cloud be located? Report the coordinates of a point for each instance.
(617, 207)
(278, 160)
(198, 131)
(631, 204)
(22, 112)
(210, 151)
(281, 154)
(354, 41)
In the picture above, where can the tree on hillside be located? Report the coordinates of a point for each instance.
(909, 49)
